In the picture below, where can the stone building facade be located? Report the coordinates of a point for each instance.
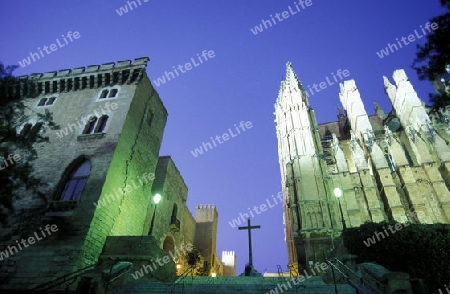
(174, 225)
(102, 169)
(389, 166)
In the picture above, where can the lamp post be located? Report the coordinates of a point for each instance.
(338, 194)
(156, 199)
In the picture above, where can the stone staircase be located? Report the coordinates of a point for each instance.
(251, 285)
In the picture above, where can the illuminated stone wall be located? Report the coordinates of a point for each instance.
(390, 166)
(127, 149)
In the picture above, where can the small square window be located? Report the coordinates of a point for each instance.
(104, 94)
(113, 93)
(51, 101)
(42, 102)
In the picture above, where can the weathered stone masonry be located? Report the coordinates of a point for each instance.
(388, 166)
(128, 148)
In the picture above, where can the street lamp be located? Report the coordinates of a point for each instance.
(338, 194)
(156, 199)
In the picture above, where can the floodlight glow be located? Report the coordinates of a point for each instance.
(337, 192)
(157, 198)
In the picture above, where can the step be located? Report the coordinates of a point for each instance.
(233, 288)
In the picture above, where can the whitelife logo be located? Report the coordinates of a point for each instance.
(184, 68)
(109, 107)
(122, 10)
(121, 192)
(263, 207)
(31, 240)
(285, 15)
(12, 160)
(411, 38)
(35, 56)
(243, 125)
(340, 73)
(398, 226)
(162, 261)
(320, 267)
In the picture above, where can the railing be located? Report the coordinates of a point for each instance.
(72, 277)
(357, 282)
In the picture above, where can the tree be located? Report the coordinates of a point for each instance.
(421, 250)
(432, 57)
(194, 260)
(17, 139)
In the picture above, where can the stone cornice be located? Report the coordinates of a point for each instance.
(90, 77)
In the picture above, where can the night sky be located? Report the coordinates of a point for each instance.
(236, 80)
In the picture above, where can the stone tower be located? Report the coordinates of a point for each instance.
(206, 218)
(389, 166)
(310, 211)
(99, 168)
(229, 263)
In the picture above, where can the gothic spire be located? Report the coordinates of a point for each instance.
(291, 85)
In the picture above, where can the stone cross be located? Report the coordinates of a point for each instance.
(249, 228)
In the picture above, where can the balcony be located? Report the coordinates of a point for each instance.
(61, 208)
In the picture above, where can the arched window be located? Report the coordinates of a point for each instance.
(101, 124)
(90, 125)
(26, 130)
(30, 132)
(76, 181)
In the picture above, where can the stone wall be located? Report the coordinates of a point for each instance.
(173, 230)
(119, 157)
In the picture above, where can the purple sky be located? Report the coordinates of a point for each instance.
(240, 83)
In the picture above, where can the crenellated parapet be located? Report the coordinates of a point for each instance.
(206, 213)
(229, 263)
(90, 77)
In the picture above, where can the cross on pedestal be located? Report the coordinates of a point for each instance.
(249, 228)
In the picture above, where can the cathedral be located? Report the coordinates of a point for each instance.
(360, 168)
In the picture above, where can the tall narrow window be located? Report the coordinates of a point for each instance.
(91, 82)
(90, 125)
(47, 87)
(34, 131)
(26, 130)
(101, 124)
(76, 84)
(83, 82)
(63, 85)
(174, 213)
(150, 119)
(76, 182)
